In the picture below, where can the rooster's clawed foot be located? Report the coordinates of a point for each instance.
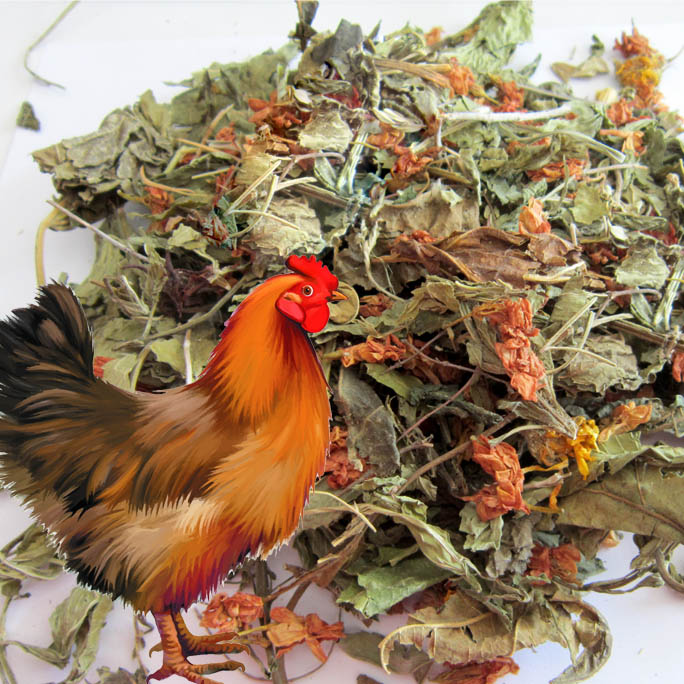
(178, 643)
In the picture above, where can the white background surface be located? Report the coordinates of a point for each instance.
(107, 54)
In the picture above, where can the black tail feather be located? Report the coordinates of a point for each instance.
(44, 346)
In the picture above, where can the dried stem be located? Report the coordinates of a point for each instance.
(489, 116)
(41, 37)
(5, 669)
(188, 359)
(352, 509)
(207, 148)
(102, 234)
(262, 587)
(422, 419)
(139, 643)
(453, 452)
(214, 122)
(196, 320)
(161, 186)
(298, 593)
(614, 167)
(39, 250)
(665, 573)
(649, 335)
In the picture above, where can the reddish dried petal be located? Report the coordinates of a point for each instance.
(557, 170)
(478, 673)
(501, 462)
(532, 219)
(99, 363)
(231, 613)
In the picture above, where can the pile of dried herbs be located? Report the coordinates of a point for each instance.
(511, 256)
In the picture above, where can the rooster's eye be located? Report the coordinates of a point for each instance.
(307, 290)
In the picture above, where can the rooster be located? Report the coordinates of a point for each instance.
(156, 497)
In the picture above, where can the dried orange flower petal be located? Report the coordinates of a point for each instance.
(501, 462)
(532, 219)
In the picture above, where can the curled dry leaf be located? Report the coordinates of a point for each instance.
(289, 629)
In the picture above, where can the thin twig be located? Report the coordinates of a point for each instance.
(214, 122)
(215, 172)
(139, 642)
(665, 573)
(207, 148)
(422, 419)
(614, 167)
(298, 593)
(161, 186)
(196, 320)
(187, 357)
(350, 508)
(40, 38)
(97, 231)
(489, 116)
(452, 452)
(39, 250)
(567, 325)
(144, 352)
(416, 445)
(419, 352)
(578, 350)
(515, 430)
(7, 674)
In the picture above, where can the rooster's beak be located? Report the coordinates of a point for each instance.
(337, 296)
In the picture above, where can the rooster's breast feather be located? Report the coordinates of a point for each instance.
(153, 497)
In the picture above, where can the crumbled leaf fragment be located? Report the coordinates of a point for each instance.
(26, 118)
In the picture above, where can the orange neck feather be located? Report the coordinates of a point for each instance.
(259, 354)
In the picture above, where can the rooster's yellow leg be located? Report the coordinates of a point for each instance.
(175, 661)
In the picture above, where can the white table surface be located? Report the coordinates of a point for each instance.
(108, 53)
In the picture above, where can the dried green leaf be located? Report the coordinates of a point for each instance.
(346, 310)
(118, 371)
(590, 67)
(589, 205)
(326, 130)
(402, 659)
(299, 231)
(371, 431)
(381, 588)
(481, 535)
(642, 267)
(571, 623)
(611, 363)
(439, 211)
(638, 498)
(403, 384)
(76, 624)
(497, 31)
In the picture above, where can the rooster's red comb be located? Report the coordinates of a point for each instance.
(312, 267)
